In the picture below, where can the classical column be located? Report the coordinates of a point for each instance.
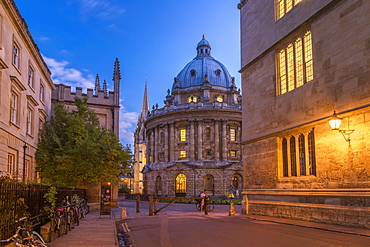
(223, 138)
(217, 139)
(200, 139)
(156, 146)
(172, 141)
(192, 140)
(166, 144)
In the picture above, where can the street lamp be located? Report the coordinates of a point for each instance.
(335, 122)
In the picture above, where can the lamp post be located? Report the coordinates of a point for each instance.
(24, 162)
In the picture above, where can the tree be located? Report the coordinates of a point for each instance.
(74, 148)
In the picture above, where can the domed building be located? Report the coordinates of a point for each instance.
(192, 143)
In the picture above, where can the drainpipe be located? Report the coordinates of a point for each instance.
(24, 162)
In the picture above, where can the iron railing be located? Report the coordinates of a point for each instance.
(18, 200)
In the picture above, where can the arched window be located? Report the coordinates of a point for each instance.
(235, 182)
(208, 133)
(219, 99)
(180, 183)
(192, 99)
(208, 182)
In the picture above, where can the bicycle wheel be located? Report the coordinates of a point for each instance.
(37, 240)
(197, 206)
(211, 207)
(76, 216)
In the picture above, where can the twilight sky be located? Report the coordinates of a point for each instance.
(153, 40)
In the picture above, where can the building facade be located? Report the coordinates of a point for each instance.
(193, 142)
(106, 106)
(25, 95)
(301, 61)
(140, 143)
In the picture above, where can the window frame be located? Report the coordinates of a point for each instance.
(298, 158)
(294, 63)
(183, 135)
(282, 7)
(16, 55)
(31, 77)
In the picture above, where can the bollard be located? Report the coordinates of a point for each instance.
(206, 205)
(123, 213)
(150, 205)
(138, 204)
(232, 209)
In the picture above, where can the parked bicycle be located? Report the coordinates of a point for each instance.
(25, 235)
(210, 205)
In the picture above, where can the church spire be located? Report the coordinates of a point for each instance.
(97, 84)
(145, 107)
(116, 80)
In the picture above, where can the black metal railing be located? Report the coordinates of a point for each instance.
(18, 200)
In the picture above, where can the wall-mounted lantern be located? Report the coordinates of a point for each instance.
(335, 122)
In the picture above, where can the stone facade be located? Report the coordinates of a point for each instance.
(106, 106)
(193, 142)
(295, 166)
(25, 95)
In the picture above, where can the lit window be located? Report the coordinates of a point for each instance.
(232, 153)
(192, 99)
(232, 135)
(284, 6)
(31, 77)
(14, 108)
(182, 135)
(295, 160)
(16, 56)
(219, 99)
(42, 93)
(180, 183)
(295, 64)
(182, 154)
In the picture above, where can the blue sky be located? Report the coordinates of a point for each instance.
(153, 40)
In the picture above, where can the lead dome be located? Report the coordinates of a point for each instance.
(203, 67)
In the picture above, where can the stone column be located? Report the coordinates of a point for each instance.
(200, 139)
(172, 141)
(192, 140)
(166, 144)
(156, 146)
(224, 149)
(217, 139)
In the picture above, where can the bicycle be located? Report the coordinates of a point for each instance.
(25, 236)
(198, 204)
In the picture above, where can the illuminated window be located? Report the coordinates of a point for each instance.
(181, 183)
(182, 154)
(232, 153)
(192, 99)
(232, 135)
(284, 6)
(298, 155)
(219, 99)
(182, 135)
(208, 134)
(295, 64)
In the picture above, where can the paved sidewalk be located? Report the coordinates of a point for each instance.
(94, 231)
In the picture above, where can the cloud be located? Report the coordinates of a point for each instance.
(61, 74)
(127, 124)
(102, 9)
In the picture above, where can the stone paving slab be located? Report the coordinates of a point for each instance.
(94, 231)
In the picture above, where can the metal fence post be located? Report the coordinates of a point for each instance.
(138, 203)
(150, 205)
